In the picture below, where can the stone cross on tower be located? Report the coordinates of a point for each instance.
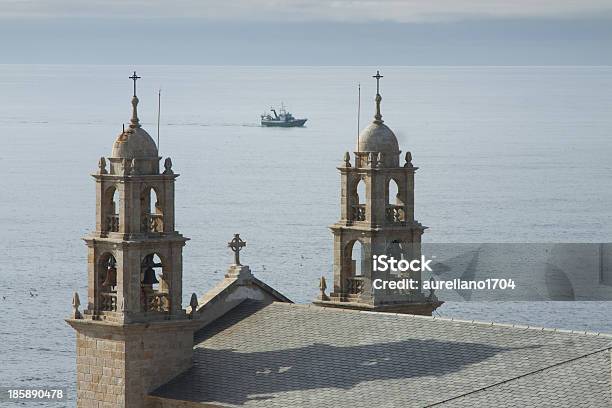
(377, 76)
(134, 78)
(236, 244)
(134, 122)
(378, 116)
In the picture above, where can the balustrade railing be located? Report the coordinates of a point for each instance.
(153, 223)
(354, 285)
(112, 223)
(359, 212)
(395, 213)
(157, 302)
(108, 302)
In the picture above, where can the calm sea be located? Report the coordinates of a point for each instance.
(506, 154)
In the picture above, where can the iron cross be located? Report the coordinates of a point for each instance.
(236, 244)
(134, 78)
(377, 76)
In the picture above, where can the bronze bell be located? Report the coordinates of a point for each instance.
(149, 277)
(111, 275)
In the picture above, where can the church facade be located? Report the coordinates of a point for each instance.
(244, 344)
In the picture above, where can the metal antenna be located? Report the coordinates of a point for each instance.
(358, 111)
(158, 115)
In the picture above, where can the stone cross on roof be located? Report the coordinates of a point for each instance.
(236, 244)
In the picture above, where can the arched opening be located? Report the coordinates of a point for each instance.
(152, 211)
(395, 206)
(357, 259)
(154, 285)
(359, 200)
(110, 208)
(396, 249)
(355, 266)
(361, 192)
(393, 192)
(107, 282)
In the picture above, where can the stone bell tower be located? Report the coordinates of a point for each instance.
(134, 334)
(379, 220)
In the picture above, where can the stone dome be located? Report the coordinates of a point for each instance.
(377, 137)
(134, 143)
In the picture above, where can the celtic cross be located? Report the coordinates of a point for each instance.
(236, 244)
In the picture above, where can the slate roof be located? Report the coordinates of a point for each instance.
(287, 355)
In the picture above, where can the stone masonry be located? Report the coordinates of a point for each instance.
(118, 365)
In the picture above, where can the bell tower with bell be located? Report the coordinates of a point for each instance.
(133, 334)
(376, 218)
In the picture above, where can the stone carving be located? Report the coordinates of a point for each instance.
(379, 160)
(102, 166)
(322, 288)
(408, 160)
(168, 166)
(127, 166)
(372, 159)
(193, 303)
(76, 302)
(236, 244)
(347, 159)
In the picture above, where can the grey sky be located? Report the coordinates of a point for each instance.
(307, 10)
(307, 32)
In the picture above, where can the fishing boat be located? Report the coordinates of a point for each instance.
(281, 119)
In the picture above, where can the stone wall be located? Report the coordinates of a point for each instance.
(117, 366)
(153, 359)
(100, 372)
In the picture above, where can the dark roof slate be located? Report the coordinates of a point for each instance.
(287, 355)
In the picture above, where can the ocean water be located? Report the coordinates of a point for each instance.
(506, 154)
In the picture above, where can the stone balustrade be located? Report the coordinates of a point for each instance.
(359, 212)
(108, 301)
(395, 213)
(354, 285)
(157, 302)
(153, 223)
(112, 223)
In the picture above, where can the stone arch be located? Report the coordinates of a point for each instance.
(110, 209)
(360, 191)
(154, 283)
(354, 265)
(357, 258)
(395, 211)
(358, 199)
(106, 281)
(393, 192)
(152, 210)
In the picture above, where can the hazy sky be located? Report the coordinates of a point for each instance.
(307, 32)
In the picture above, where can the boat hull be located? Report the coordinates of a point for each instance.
(278, 123)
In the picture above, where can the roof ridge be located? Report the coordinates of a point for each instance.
(451, 319)
(571, 360)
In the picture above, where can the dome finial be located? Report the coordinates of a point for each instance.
(134, 122)
(378, 116)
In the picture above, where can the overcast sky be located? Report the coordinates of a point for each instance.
(308, 32)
